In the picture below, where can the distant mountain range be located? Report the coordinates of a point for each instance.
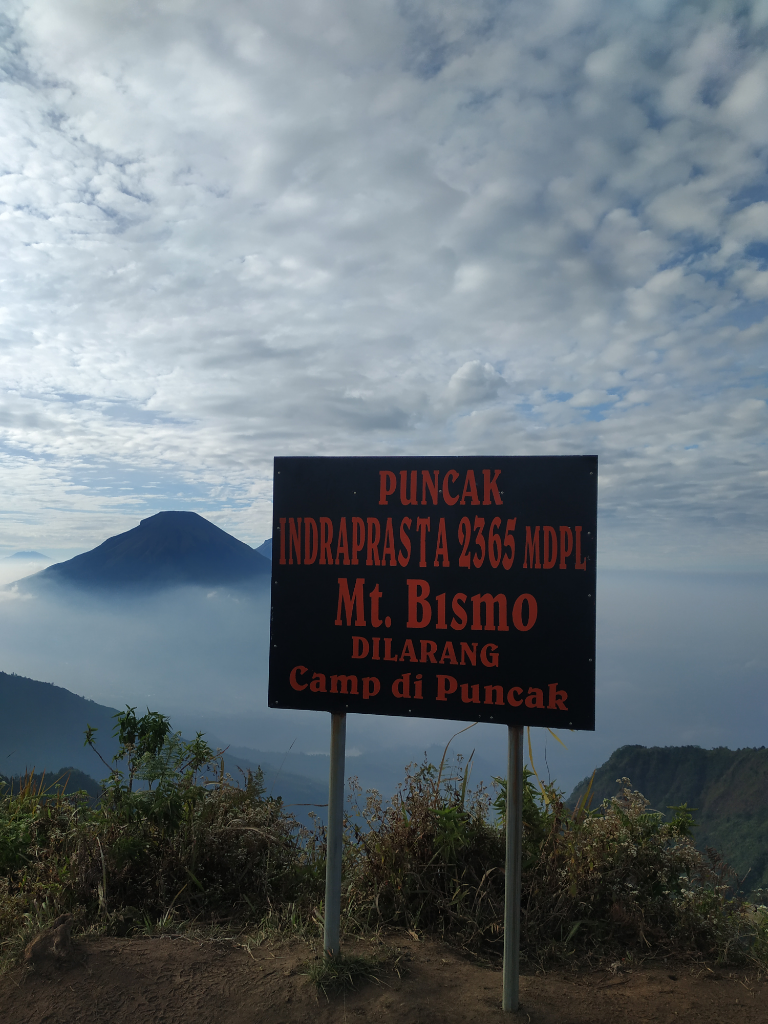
(167, 549)
(42, 726)
(728, 788)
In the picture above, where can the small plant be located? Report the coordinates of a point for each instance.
(342, 973)
(536, 823)
(756, 915)
(429, 860)
(153, 754)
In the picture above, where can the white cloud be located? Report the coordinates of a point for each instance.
(748, 98)
(752, 283)
(474, 382)
(590, 398)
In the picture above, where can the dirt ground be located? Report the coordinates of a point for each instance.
(175, 980)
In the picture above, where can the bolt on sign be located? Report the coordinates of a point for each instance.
(456, 588)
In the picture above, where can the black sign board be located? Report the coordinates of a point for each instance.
(456, 588)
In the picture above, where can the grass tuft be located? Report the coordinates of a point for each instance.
(343, 973)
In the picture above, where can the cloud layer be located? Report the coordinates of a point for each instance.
(680, 659)
(358, 226)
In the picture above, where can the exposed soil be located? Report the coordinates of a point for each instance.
(179, 981)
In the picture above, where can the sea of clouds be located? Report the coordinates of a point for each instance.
(679, 661)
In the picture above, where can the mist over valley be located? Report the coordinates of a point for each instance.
(681, 659)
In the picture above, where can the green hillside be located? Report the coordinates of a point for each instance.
(65, 780)
(42, 727)
(729, 788)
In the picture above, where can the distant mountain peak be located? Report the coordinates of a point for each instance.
(176, 518)
(266, 548)
(27, 556)
(167, 549)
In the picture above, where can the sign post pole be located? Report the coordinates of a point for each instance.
(331, 943)
(511, 970)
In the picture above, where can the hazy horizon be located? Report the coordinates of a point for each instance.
(681, 658)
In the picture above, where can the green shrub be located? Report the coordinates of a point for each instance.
(192, 845)
(428, 860)
(619, 878)
(602, 882)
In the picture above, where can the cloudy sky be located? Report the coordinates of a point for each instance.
(235, 230)
(245, 229)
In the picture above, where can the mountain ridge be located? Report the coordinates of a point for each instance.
(728, 789)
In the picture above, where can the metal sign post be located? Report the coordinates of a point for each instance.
(331, 941)
(514, 861)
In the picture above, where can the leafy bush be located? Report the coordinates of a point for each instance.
(619, 878)
(190, 846)
(605, 881)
